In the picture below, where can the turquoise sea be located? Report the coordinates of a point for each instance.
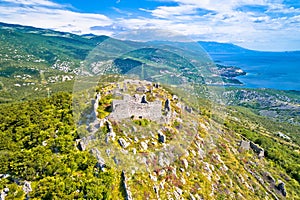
(276, 70)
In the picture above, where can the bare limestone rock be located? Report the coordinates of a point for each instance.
(167, 105)
(134, 129)
(178, 193)
(125, 186)
(123, 143)
(161, 137)
(100, 160)
(27, 187)
(142, 89)
(4, 193)
(185, 163)
(144, 99)
(269, 177)
(153, 177)
(188, 109)
(192, 197)
(175, 97)
(144, 146)
(111, 136)
(134, 151)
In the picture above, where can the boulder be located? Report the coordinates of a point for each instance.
(188, 109)
(178, 193)
(153, 177)
(109, 126)
(134, 129)
(144, 99)
(281, 188)
(111, 136)
(123, 143)
(185, 163)
(174, 97)
(4, 193)
(144, 146)
(167, 105)
(161, 137)
(269, 177)
(192, 197)
(27, 187)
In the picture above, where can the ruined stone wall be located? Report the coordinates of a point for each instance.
(129, 107)
(257, 149)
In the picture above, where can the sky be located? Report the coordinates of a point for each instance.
(272, 25)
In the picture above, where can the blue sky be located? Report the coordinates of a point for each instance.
(272, 25)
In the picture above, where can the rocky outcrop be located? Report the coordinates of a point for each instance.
(156, 85)
(167, 105)
(161, 137)
(84, 142)
(144, 99)
(100, 160)
(96, 105)
(281, 188)
(111, 134)
(185, 163)
(269, 177)
(123, 143)
(4, 193)
(188, 109)
(127, 191)
(27, 187)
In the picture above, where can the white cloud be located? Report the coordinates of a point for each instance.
(169, 11)
(217, 20)
(34, 3)
(45, 14)
(228, 24)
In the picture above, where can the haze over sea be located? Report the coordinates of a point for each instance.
(276, 70)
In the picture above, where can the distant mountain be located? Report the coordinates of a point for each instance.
(36, 58)
(225, 48)
(216, 47)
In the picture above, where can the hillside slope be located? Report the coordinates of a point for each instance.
(146, 121)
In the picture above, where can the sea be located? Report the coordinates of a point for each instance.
(276, 70)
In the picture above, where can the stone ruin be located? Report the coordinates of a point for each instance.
(136, 106)
(246, 145)
(260, 152)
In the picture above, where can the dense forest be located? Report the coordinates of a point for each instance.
(37, 144)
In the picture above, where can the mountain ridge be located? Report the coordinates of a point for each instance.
(207, 45)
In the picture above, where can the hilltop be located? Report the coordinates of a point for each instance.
(132, 152)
